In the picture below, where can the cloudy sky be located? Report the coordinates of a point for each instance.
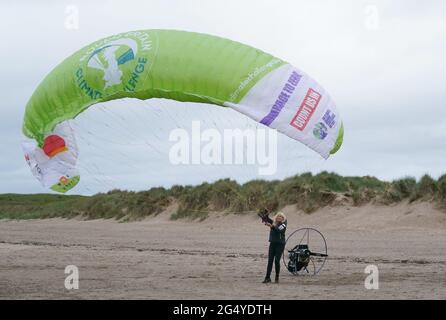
(383, 62)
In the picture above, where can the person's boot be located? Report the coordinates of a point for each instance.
(277, 279)
(267, 280)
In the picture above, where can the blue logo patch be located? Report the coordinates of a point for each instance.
(329, 118)
(320, 131)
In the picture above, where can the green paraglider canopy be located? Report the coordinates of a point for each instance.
(176, 65)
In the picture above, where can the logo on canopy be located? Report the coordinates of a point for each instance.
(114, 65)
(109, 58)
(320, 131)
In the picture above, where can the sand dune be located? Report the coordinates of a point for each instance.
(224, 257)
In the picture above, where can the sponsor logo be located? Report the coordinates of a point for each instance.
(109, 59)
(53, 145)
(65, 183)
(283, 98)
(329, 118)
(251, 76)
(306, 109)
(320, 131)
(114, 64)
(64, 180)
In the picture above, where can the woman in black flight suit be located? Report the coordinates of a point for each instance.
(277, 227)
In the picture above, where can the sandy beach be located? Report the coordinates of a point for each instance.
(224, 257)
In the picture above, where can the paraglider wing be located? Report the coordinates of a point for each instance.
(177, 65)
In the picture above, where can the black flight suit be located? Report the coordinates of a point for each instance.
(276, 247)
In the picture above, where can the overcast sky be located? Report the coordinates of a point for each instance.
(383, 62)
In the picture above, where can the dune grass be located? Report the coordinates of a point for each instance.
(307, 192)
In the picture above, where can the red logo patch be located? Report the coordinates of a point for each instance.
(306, 109)
(64, 180)
(53, 145)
